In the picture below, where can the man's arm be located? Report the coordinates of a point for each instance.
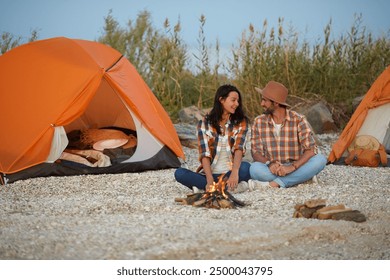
(283, 170)
(258, 157)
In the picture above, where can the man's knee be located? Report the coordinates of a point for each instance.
(259, 171)
(253, 169)
(320, 162)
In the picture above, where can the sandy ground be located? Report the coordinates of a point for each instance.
(134, 216)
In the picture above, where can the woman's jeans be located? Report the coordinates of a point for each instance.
(190, 178)
(260, 172)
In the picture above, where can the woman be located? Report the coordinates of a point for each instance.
(221, 143)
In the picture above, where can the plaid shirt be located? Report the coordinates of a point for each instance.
(210, 146)
(295, 137)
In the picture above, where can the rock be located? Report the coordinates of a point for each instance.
(192, 114)
(320, 118)
(356, 101)
(187, 135)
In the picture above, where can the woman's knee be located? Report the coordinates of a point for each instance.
(180, 173)
(244, 171)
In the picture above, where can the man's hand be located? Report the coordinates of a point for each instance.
(274, 167)
(283, 170)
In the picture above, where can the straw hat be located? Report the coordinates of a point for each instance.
(101, 139)
(132, 142)
(366, 142)
(274, 91)
(109, 144)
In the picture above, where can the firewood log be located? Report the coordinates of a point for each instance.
(354, 215)
(297, 214)
(224, 203)
(297, 207)
(315, 203)
(194, 194)
(328, 214)
(331, 208)
(195, 197)
(307, 212)
(214, 204)
(236, 201)
(199, 202)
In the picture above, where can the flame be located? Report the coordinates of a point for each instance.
(219, 186)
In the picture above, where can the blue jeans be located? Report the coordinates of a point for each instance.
(190, 178)
(260, 171)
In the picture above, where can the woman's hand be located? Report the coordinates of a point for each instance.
(232, 182)
(207, 170)
(210, 182)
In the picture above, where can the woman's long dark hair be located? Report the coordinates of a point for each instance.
(215, 114)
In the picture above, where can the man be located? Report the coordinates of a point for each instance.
(282, 144)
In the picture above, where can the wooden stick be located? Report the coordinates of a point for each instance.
(236, 201)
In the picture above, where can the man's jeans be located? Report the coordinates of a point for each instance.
(190, 178)
(260, 171)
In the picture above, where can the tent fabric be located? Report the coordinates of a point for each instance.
(75, 84)
(161, 160)
(377, 95)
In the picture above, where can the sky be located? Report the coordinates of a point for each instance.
(225, 19)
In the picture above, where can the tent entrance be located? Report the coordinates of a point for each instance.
(108, 110)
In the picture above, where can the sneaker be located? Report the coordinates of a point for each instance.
(254, 184)
(251, 185)
(196, 190)
(311, 181)
(241, 187)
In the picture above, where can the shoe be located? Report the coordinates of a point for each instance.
(241, 187)
(251, 184)
(311, 181)
(254, 184)
(196, 190)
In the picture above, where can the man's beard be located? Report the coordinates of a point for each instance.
(268, 111)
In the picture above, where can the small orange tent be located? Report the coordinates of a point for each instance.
(58, 84)
(372, 116)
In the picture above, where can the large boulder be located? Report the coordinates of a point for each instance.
(187, 135)
(356, 101)
(192, 114)
(320, 118)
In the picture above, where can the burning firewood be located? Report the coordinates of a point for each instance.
(216, 197)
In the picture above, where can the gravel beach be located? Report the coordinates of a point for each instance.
(134, 216)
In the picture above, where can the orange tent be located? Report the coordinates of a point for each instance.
(376, 105)
(58, 84)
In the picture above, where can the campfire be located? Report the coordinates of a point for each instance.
(216, 197)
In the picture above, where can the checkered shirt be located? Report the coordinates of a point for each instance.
(295, 137)
(209, 144)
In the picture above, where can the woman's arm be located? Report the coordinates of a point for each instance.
(232, 182)
(207, 170)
